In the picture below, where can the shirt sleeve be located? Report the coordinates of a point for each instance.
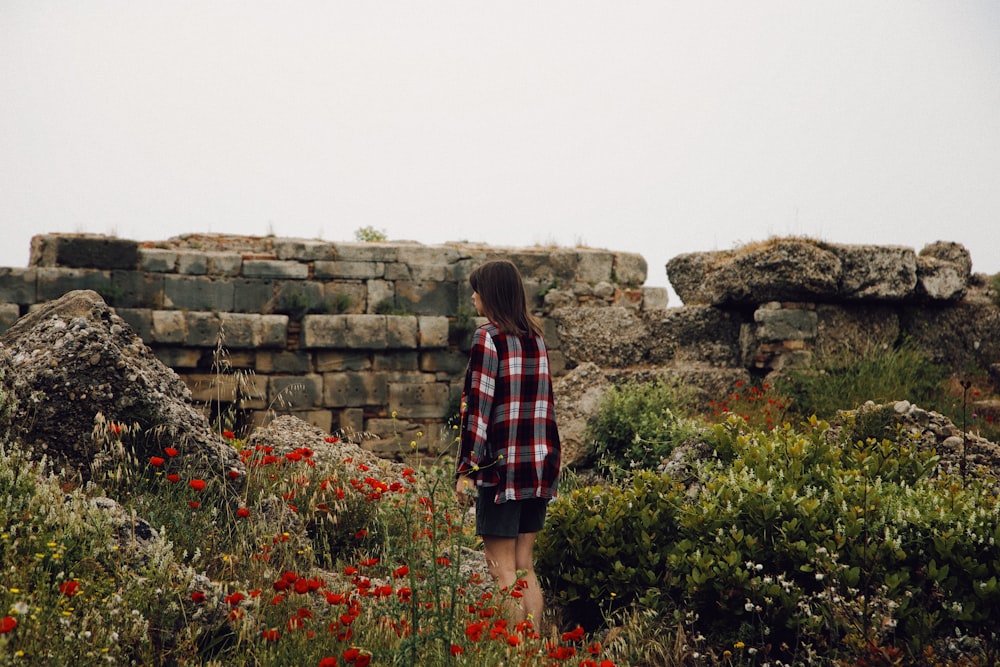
(478, 396)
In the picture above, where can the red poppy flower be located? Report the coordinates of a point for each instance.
(243, 512)
(69, 588)
(233, 474)
(170, 451)
(7, 624)
(271, 635)
(443, 561)
(360, 535)
(174, 477)
(234, 599)
(194, 504)
(229, 435)
(575, 635)
(197, 596)
(401, 571)
(332, 438)
(328, 662)
(197, 484)
(457, 650)
(156, 461)
(351, 654)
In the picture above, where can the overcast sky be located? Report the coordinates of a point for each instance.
(652, 127)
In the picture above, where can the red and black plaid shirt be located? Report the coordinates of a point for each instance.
(509, 437)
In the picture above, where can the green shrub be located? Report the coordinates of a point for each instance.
(369, 234)
(637, 425)
(791, 541)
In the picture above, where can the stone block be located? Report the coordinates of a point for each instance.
(245, 330)
(319, 331)
(397, 271)
(136, 289)
(400, 331)
(178, 357)
(380, 293)
(321, 419)
(9, 313)
(775, 323)
(84, 251)
(198, 293)
(342, 361)
(140, 319)
(192, 262)
(274, 268)
(345, 297)
(940, 280)
(54, 282)
(253, 296)
(422, 255)
(273, 362)
(349, 269)
(304, 250)
(447, 362)
(433, 331)
(169, 326)
(427, 297)
(212, 388)
(367, 332)
(157, 260)
(297, 298)
(423, 400)
(203, 329)
(630, 269)
(354, 390)
(594, 266)
(396, 361)
(295, 391)
(694, 334)
(224, 263)
(655, 298)
(365, 252)
(18, 285)
(351, 420)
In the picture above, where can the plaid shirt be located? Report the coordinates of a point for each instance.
(509, 437)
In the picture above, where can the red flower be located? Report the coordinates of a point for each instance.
(69, 588)
(328, 662)
(271, 635)
(401, 571)
(194, 504)
(360, 535)
(174, 477)
(170, 451)
(457, 650)
(156, 461)
(443, 561)
(243, 512)
(197, 484)
(234, 599)
(233, 474)
(7, 624)
(332, 438)
(229, 435)
(197, 596)
(574, 635)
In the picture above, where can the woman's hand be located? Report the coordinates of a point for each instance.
(463, 488)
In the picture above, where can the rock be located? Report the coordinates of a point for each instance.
(578, 395)
(876, 273)
(943, 271)
(776, 270)
(73, 363)
(609, 335)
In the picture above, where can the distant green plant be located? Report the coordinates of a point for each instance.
(369, 234)
(297, 303)
(388, 306)
(638, 424)
(995, 288)
(879, 375)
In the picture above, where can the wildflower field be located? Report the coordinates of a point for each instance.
(739, 533)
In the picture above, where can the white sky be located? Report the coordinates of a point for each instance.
(654, 127)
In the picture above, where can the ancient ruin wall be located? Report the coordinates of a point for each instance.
(362, 336)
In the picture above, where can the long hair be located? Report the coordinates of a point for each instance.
(501, 292)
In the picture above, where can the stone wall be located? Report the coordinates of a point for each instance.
(361, 336)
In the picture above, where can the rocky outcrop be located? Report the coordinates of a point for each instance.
(808, 270)
(578, 395)
(73, 364)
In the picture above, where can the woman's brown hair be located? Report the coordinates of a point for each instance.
(501, 293)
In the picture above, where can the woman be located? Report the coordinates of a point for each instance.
(509, 445)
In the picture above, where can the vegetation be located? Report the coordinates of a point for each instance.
(369, 234)
(786, 542)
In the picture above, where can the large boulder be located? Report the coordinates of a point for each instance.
(943, 271)
(612, 336)
(73, 364)
(578, 395)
